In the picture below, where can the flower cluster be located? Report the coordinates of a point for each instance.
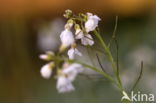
(66, 72)
(88, 23)
(65, 76)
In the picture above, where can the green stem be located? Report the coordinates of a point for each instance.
(102, 73)
(109, 56)
(99, 71)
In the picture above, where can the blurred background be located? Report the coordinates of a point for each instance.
(30, 27)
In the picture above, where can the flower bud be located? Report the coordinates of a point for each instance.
(46, 70)
(69, 24)
(48, 56)
(67, 38)
(67, 14)
(77, 26)
(79, 33)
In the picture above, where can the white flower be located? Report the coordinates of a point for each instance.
(64, 84)
(67, 38)
(79, 34)
(67, 76)
(46, 71)
(72, 70)
(87, 40)
(92, 22)
(72, 52)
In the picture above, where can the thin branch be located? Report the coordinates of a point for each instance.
(114, 31)
(115, 28)
(92, 77)
(90, 56)
(100, 63)
(109, 56)
(140, 75)
(117, 56)
(117, 60)
(95, 69)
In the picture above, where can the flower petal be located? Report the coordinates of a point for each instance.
(71, 53)
(92, 22)
(46, 71)
(67, 37)
(89, 25)
(87, 40)
(72, 70)
(64, 85)
(79, 35)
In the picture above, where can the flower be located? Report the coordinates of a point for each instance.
(46, 70)
(64, 84)
(68, 13)
(92, 22)
(72, 52)
(79, 34)
(66, 76)
(67, 38)
(71, 70)
(87, 40)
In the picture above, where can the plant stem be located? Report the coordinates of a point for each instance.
(109, 56)
(99, 71)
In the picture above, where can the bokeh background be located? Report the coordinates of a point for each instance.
(30, 27)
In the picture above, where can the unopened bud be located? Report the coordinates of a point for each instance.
(48, 56)
(77, 27)
(69, 24)
(67, 14)
(43, 56)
